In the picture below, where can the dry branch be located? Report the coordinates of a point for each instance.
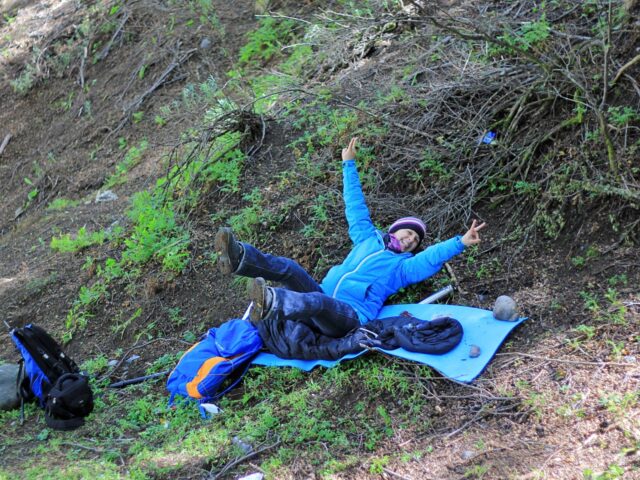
(395, 474)
(82, 64)
(5, 142)
(572, 362)
(179, 59)
(239, 460)
(624, 68)
(105, 51)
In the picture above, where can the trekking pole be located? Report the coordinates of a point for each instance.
(247, 312)
(448, 290)
(133, 381)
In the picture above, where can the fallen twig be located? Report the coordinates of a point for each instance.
(574, 362)
(99, 451)
(606, 47)
(633, 82)
(84, 447)
(5, 142)
(277, 15)
(454, 279)
(239, 460)
(386, 118)
(624, 68)
(475, 418)
(105, 51)
(179, 59)
(394, 474)
(82, 63)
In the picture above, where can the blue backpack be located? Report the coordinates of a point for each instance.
(51, 378)
(217, 363)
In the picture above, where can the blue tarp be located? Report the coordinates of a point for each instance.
(480, 329)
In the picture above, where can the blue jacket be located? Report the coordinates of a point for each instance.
(371, 273)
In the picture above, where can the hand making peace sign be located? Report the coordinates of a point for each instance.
(472, 237)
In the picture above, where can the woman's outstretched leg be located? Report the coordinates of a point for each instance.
(246, 260)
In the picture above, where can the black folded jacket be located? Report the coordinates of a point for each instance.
(291, 339)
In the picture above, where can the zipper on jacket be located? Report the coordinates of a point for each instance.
(335, 290)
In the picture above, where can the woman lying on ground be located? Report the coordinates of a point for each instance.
(353, 292)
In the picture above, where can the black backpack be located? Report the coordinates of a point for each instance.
(53, 379)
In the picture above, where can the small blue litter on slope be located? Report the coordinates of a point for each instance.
(488, 138)
(480, 329)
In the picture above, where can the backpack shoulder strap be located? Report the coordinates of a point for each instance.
(57, 360)
(243, 366)
(31, 346)
(23, 386)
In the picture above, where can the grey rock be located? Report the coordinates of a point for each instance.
(505, 308)
(205, 43)
(110, 228)
(474, 351)
(132, 358)
(106, 196)
(467, 454)
(9, 398)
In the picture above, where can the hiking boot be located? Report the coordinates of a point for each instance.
(260, 295)
(228, 249)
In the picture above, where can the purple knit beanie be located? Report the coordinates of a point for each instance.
(411, 223)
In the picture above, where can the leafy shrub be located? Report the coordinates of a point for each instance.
(621, 116)
(62, 204)
(221, 163)
(250, 216)
(82, 239)
(266, 42)
(155, 233)
(131, 159)
(25, 81)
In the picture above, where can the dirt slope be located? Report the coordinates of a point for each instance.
(82, 83)
(65, 152)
